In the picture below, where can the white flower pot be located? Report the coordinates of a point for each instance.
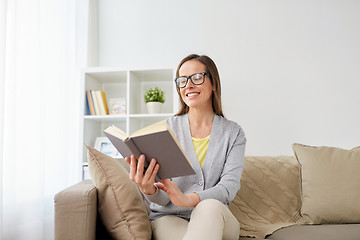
(154, 107)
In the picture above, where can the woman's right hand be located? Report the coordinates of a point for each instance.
(145, 181)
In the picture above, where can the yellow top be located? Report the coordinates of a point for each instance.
(201, 146)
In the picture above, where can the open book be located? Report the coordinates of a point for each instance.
(154, 141)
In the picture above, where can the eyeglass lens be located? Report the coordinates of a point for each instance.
(196, 79)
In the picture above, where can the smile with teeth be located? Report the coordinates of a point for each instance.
(192, 94)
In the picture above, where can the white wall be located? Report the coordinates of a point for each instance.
(290, 70)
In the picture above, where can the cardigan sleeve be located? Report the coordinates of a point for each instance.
(159, 197)
(226, 189)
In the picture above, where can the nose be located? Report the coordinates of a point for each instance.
(189, 84)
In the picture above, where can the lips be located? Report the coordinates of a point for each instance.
(192, 94)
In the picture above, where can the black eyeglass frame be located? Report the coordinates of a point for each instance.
(190, 77)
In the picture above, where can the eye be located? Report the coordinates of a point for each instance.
(182, 80)
(197, 77)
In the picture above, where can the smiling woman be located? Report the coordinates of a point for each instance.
(204, 68)
(215, 147)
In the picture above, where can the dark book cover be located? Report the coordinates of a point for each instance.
(161, 146)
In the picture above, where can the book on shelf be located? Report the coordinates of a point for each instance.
(154, 141)
(95, 101)
(90, 103)
(87, 107)
(101, 99)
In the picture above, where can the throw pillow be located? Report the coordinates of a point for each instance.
(330, 184)
(269, 197)
(121, 207)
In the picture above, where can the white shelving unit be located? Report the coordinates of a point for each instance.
(131, 85)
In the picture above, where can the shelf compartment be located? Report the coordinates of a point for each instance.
(141, 81)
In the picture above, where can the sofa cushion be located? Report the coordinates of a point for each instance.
(330, 184)
(75, 212)
(269, 197)
(121, 207)
(318, 232)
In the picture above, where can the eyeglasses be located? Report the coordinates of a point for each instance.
(196, 79)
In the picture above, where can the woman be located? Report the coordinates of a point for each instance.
(196, 206)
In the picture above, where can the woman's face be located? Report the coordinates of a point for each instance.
(196, 96)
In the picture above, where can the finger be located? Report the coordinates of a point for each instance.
(133, 163)
(170, 185)
(128, 160)
(154, 172)
(161, 186)
(166, 182)
(140, 165)
(150, 169)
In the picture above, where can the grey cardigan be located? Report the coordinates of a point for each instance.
(219, 178)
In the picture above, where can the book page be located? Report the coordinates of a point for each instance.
(156, 127)
(116, 132)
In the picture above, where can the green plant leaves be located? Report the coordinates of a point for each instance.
(154, 95)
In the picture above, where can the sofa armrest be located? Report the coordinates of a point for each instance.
(75, 212)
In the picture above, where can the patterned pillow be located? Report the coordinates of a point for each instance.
(269, 197)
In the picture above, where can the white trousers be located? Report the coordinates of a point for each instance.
(210, 220)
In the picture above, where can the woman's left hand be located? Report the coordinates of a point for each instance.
(177, 197)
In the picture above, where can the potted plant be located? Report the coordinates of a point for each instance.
(154, 98)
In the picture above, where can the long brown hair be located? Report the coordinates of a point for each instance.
(215, 80)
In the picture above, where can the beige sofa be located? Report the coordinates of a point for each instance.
(278, 199)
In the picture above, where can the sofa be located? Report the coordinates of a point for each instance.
(314, 194)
